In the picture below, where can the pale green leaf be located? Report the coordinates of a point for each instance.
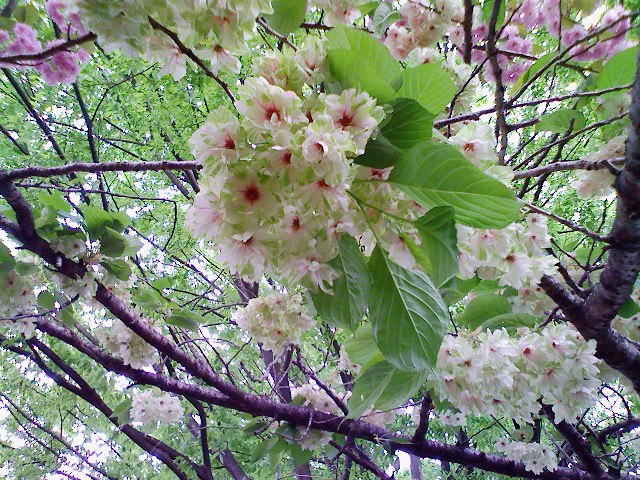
(287, 15)
(383, 387)
(358, 60)
(361, 347)
(348, 304)
(510, 321)
(430, 85)
(437, 174)
(437, 230)
(561, 120)
(482, 308)
(407, 314)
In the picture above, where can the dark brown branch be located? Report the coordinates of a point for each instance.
(568, 223)
(231, 464)
(423, 423)
(74, 42)
(577, 442)
(34, 114)
(27, 172)
(492, 54)
(564, 166)
(467, 25)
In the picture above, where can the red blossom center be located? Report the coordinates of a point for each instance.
(295, 224)
(251, 193)
(271, 110)
(469, 147)
(229, 144)
(321, 184)
(345, 119)
(286, 157)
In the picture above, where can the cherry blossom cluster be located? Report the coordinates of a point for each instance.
(454, 419)
(422, 24)
(274, 197)
(339, 12)
(382, 204)
(318, 399)
(597, 183)
(17, 301)
(493, 373)
(153, 408)
(275, 320)
(604, 38)
(476, 142)
(512, 65)
(61, 67)
(514, 255)
(535, 456)
(121, 341)
(125, 26)
(608, 27)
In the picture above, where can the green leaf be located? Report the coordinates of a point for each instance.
(628, 309)
(361, 347)
(358, 60)
(348, 304)
(383, 387)
(331, 452)
(487, 9)
(437, 229)
(408, 125)
(561, 120)
(618, 71)
(25, 268)
(379, 153)
(119, 268)
(54, 200)
(46, 300)
(46, 216)
(458, 288)
(430, 85)
(255, 426)
(67, 316)
(112, 243)
(121, 412)
(538, 65)
(482, 308)
(96, 219)
(162, 282)
(264, 448)
(407, 314)
(275, 454)
(7, 262)
(287, 15)
(299, 455)
(368, 7)
(26, 14)
(510, 321)
(184, 318)
(384, 16)
(148, 298)
(437, 174)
